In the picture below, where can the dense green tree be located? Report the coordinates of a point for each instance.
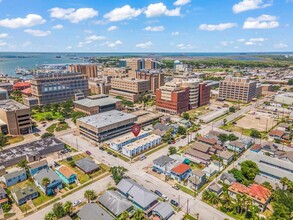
(3, 139)
(185, 115)
(118, 173)
(255, 133)
(47, 134)
(232, 109)
(68, 207)
(58, 210)
(249, 169)
(50, 216)
(90, 195)
(284, 181)
(267, 185)
(6, 207)
(290, 82)
(181, 130)
(138, 215)
(237, 175)
(45, 182)
(123, 216)
(172, 150)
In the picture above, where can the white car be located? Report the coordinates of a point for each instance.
(165, 198)
(76, 203)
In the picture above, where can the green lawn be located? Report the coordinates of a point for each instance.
(61, 126)
(43, 116)
(25, 208)
(14, 139)
(42, 198)
(189, 217)
(51, 128)
(186, 190)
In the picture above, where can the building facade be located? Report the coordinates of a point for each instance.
(15, 118)
(58, 87)
(237, 89)
(204, 94)
(89, 70)
(172, 99)
(155, 78)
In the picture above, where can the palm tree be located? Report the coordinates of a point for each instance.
(214, 198)
(206, 195)
(68, 207)
(238, 202)
(89, 195)
(123, 216)
(45, 182)
(138, 215)
(50, 216)
(284, 181)
(248, 205)
(243, 202)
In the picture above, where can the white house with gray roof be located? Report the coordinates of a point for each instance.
(163, 210)
(15, 177)
(93, 211)
(87, 165)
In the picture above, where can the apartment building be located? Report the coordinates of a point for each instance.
(138, 63)
(237, 89)
(15, 118)
(204, 94)
(89, 70)
(156, 78)
(193, 85)
(172, 98)
(129, 88)
(58, 87)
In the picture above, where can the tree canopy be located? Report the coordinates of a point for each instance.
(118, 173)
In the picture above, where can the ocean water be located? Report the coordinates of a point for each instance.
(9, 61)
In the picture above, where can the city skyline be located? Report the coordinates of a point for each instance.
(148, 26)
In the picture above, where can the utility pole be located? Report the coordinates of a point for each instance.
(179, 200)
(187, 211)
(76, 144)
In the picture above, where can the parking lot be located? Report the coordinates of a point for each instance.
(257, 120)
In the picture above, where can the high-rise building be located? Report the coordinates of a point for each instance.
(193, 85)
(89, 70)
(15, 118)
(58, 87)
(138, 63)
(172, 98)
(237, 89)
(150, 64)
(156, 78)
(130, 89)
(204, 94)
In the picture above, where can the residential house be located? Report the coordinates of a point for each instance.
(12, 178)
(37, 166)
(163, 210)
(200, 153)
(227, 178)
(256, 148)
(24, 194)
(216, 188)
(269, 148)
(87, 165)
(115, 202)
(185, 123)
(286, 156)
(3, 196)
(66, 174)
(259, 194)
(283, 127)
(55, 181)
(226, 156)
(137, 194)
(180, 172)
(277, 134)
(208, 141)
(92, 211)
(163, 163)
(197, 179)
(236, 146)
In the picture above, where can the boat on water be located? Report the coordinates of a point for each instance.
(58, 56)
(22, 71)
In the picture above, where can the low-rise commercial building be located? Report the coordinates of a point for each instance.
(285, 98)
(97, 104)
(106, 125)
(15, 118)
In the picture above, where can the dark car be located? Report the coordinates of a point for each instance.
(109, 152)
(69, 159)
(115, 155)
(158, 193)
(173, 202)
(88, 153)
(101, 148)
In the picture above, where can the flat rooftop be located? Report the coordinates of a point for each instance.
(142, 141)
(126, 137)
(32, 148)
(107, 118)
(97, 101)
(11, 105)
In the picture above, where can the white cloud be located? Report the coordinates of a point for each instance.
(58, 26)
(91, 39)
(176, 33)
(29, 21)
(159, 9)
(112, 44)
(217, 27)
(69, 48)
(247, 5)
(37, 33)
(72, 14)
(184, 46)
(255, 41)
(181, 2)
(261, 22)
(280, 45)
(88, 31)
(112, 28)
(154, 28)
(241, 40)
(26, 44)
(125, 12)
(260, 39)
(145, 45)
(3, 35)
(2, 44)
(250, 43)
(226, 43)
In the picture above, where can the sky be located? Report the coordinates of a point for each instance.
(146, 25)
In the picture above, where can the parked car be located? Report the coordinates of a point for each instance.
(69, 158)
(115, 155)
(175, 187)
(142, 157)
(109, 152)
(158, 193)
(173, 202)
(56, 164)
(165, 198)
(76, 203)
(88, 153)
(101, 148)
